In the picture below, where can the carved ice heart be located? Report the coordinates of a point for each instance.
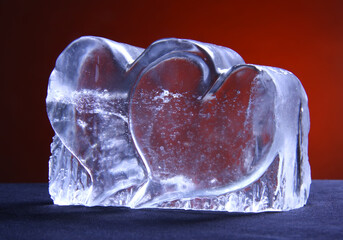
(90, 115)
(199, 129)
(87, 107)
(182, 124)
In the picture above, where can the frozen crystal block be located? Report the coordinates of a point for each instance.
(182, 124)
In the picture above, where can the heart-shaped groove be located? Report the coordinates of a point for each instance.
(202, 134)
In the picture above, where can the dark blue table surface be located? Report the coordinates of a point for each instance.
(27, 212)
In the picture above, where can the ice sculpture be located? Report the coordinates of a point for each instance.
(182, 124)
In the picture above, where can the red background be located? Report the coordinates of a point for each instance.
(305, 37)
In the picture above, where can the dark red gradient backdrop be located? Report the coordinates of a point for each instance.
(305, 37)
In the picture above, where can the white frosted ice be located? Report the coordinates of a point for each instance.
(183, 124)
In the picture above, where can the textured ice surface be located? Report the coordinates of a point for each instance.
(182, 124)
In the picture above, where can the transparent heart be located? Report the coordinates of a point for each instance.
(182, 124)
